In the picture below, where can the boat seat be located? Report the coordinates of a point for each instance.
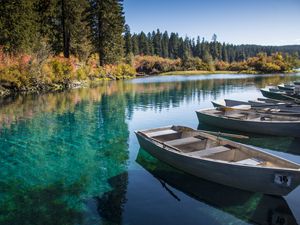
(183, 141)
(161, 132)
(210, 151)
(236, 116)
(243, 107)
(251, 161)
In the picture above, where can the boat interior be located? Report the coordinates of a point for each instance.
(201, 145)
(252, 115)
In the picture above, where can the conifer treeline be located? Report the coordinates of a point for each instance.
(173, 46)
(78, 27)
(82, 27)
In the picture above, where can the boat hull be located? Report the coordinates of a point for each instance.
(274, 95)
(285, 88)
(259, 127)
(255, 179)
(285, 109)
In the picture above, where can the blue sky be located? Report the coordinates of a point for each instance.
(266, 22)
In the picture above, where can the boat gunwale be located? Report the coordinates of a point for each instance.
(203, 111)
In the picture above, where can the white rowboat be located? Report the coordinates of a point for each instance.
(221, 160)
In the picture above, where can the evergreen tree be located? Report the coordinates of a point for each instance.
(18, 25)
(49, 26)
(143, 44)
(150, 43)
(127, 40)
(135, 44)
(224, 53)
(165, 45)
(157, 43)
(79, 31)
(198, 48)
(174, 46)
(186, 49)
(107, 22)
(214, 38)
(64, 24)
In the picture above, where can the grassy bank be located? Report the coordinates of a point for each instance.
(198, 72)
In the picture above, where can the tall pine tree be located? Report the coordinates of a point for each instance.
(135, 44)
(127, 41)
(18, 25)
(157, 43)
(165, 45)
(107, 23)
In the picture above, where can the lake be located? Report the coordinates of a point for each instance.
(72, 157)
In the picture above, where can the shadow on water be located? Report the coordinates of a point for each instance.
(110, 205)
(249, 207)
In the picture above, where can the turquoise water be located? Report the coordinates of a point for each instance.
(72, 157)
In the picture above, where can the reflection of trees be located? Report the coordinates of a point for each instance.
(54, 160)
(41, 204)
(110, 204)
(70, 144)
(155, 95)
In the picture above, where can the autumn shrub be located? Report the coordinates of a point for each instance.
(221, 65)
(193, 63)
(270, 64)
(58, 70)
(15, 70)
(238, 66)
(155, 64)
(124, 70)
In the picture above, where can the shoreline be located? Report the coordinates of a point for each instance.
(198, 72)
(6, 92)
(206, 72)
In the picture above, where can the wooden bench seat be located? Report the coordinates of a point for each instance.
(236, 116)
(161, 132)
(183, 141)
(251, 161)
(210, 151)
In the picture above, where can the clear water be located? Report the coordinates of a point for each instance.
(72, 157)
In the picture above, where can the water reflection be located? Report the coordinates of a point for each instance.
(110, 205)
(247, 206)
(60, 152)
(140, 94)
(52, 161)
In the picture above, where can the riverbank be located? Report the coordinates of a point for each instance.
(6, 91)
(206, 72)
(198, 72)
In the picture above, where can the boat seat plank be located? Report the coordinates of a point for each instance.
(161, 132)
(210, 151)
(183, 141)
(235, 116)
(243, 107)
(251, 161)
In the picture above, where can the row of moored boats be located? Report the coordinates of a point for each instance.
(212, 157)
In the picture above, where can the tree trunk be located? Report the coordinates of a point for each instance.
(100, 42)
(66, 31)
